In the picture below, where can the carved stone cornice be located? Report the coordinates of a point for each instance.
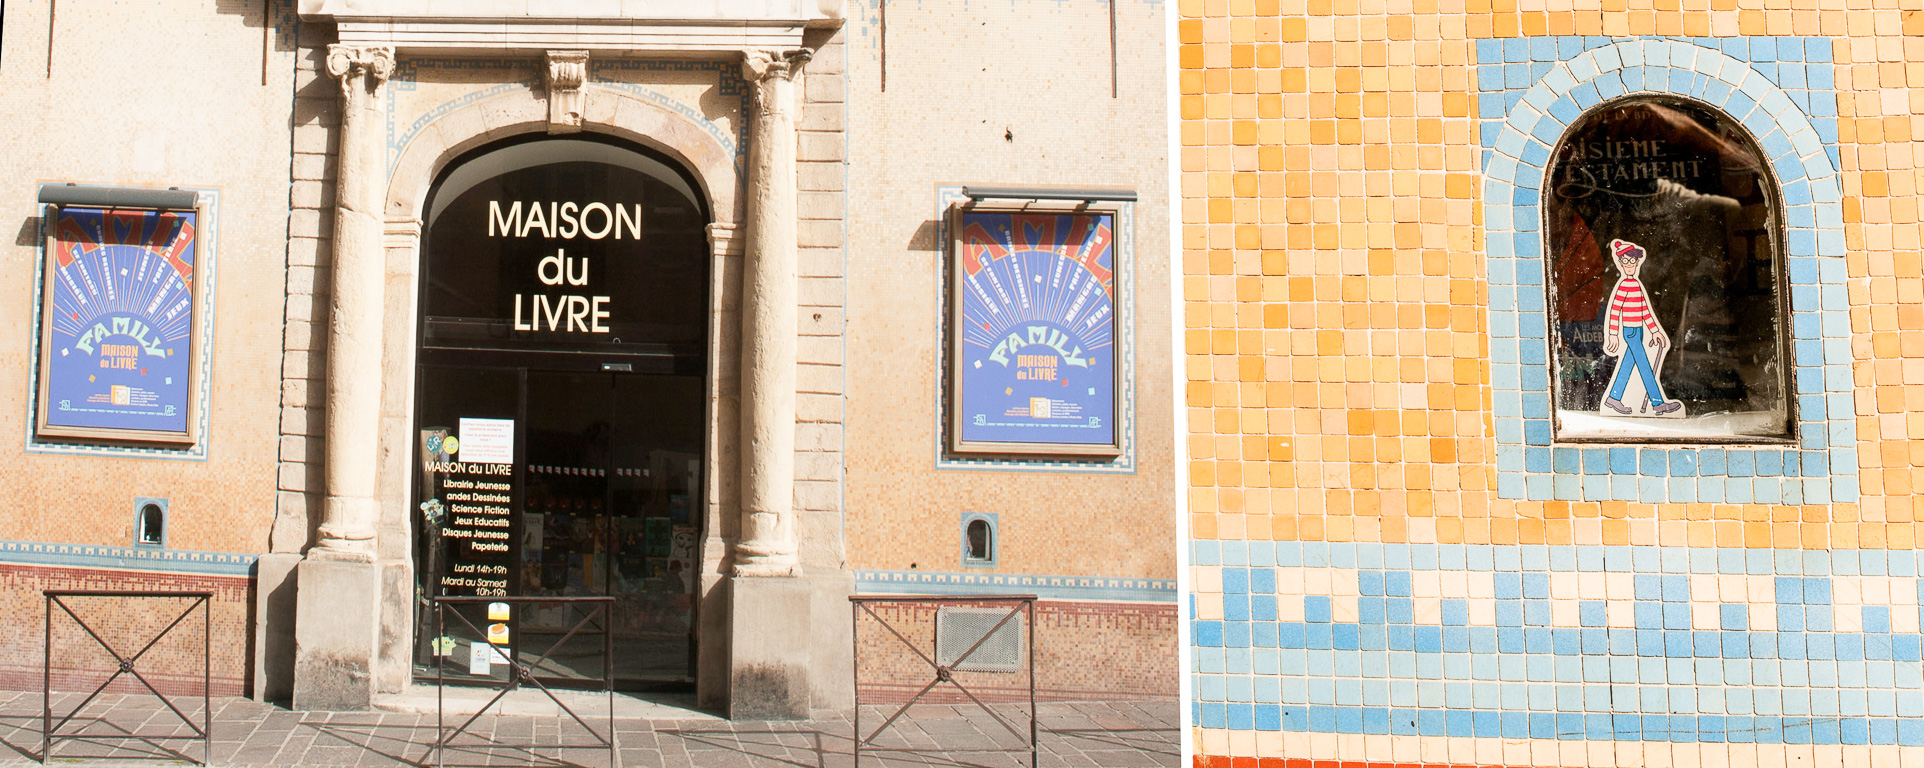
(632, 11)
(567, 72)
(648, 27)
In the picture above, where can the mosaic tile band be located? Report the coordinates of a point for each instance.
(54, 554)
(1465, 753)
(1100, 588)
(1559, 642)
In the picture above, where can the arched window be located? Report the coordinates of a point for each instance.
(978, 539)
(1667, 303)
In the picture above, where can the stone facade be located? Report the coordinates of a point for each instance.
(1394, 559)
(1097, 120)
(200, 102)
(824, 477)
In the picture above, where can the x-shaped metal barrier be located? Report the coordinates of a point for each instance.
(519, 673)
(944, 673)
(50, 730)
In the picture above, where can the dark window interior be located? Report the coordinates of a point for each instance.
(1688, 185)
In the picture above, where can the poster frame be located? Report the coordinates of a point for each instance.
(957, 445)
(191, 435)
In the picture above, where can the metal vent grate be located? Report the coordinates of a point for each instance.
(958, 628)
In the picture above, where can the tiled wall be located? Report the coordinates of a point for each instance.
(1083, 651)
(1393, 562)
(210, 113)
(995, 123)
(1090, 536)
(80, 663)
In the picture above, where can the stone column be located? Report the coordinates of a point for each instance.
(769, 611)
(767, 545)
(354, 312)
(337, 620)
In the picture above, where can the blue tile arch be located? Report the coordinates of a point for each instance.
(1781, 89)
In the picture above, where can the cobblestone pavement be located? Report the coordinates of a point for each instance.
(1102, 734)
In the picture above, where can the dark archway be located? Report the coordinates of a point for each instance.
(560, 394)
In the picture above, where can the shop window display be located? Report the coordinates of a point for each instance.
(1663, 231)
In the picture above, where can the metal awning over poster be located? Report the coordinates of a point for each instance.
(94, 196)
(1084, 194)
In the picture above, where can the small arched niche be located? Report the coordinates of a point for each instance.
(1666, 287)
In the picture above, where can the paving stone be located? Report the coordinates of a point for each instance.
(246, 734)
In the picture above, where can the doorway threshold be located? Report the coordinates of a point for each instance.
(529, 701)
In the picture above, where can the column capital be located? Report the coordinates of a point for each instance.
(374, 63)
(769, 70)
(759, 63)
(724, 239)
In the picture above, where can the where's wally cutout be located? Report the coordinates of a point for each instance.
(1632, 334)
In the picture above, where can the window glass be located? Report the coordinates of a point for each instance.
(1667, 309)
(979, 540)
(565, 245)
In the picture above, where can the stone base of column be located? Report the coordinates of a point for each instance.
(832, 663)
(275, 604)
(335, 634)
(769, 648)
(394, 666)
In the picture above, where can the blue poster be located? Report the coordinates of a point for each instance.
(1037, 329)
(120, 321)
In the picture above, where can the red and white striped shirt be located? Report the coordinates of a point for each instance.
(1628, 306)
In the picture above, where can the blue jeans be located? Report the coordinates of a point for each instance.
(1633, 354)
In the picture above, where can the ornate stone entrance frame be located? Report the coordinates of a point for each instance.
(353, 624)
(607, 112)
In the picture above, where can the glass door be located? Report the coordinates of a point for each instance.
(614, 483)
(606, 478)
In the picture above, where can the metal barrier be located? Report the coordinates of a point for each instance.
(50, 730)
(944, 673)
(519, 673)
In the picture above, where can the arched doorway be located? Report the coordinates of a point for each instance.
(560, 393)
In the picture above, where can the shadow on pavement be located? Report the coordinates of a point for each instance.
(23, 730)
(116, 743)
(763, 745)
(1155, 740)
(390, 741)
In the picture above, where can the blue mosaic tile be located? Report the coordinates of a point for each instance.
(1830, 656)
